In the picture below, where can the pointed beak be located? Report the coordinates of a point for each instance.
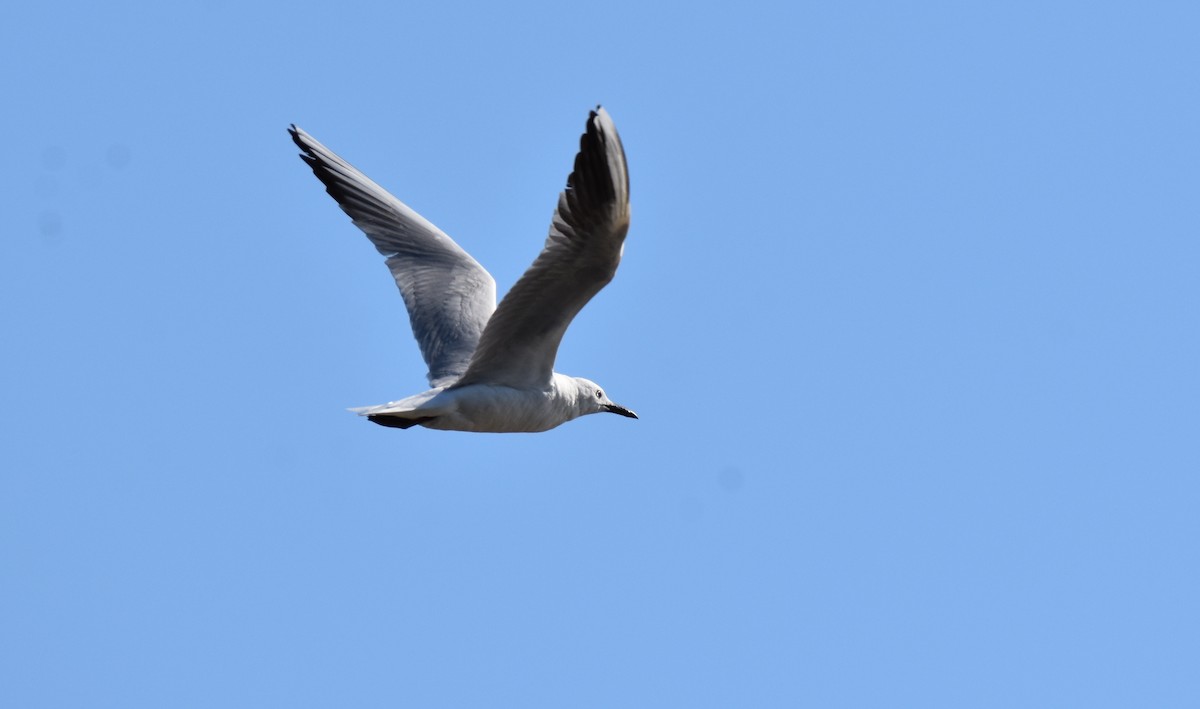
(613, 408)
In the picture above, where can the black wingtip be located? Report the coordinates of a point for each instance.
(592, 172)
(309, 156)
(295, 133)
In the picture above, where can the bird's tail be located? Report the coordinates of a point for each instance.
(405, 413)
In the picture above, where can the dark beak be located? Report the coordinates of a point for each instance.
(613, 408)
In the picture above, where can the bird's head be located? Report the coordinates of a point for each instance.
(591, 399)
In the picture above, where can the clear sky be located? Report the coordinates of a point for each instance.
(908, 310)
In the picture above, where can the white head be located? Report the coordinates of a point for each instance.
(591, 399)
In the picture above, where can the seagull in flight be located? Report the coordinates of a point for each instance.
(491, 368)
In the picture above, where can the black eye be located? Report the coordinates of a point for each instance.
(599, 394)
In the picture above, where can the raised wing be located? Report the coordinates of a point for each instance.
(448, 294)
(587, 236)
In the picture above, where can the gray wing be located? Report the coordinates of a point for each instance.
(448, 294)
(587, 236)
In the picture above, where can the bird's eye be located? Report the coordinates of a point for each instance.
(599, 394)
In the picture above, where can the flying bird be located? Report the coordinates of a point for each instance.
(491, 368)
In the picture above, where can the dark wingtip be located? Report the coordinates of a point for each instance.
(294, 131)
(591, 174)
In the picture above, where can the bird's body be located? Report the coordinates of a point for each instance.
(494, 408)
(491, 367)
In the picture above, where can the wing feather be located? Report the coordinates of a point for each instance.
(449, 296)
(581, 254)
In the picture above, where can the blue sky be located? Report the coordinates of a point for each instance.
(908, 310)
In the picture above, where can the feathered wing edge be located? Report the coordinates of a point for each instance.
(580, 256)
(449, 296)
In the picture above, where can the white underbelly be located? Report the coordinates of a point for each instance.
(497, 409)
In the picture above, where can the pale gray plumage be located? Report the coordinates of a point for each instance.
(492, 368)
(587, 236)
(448, 294)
